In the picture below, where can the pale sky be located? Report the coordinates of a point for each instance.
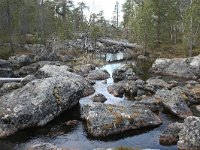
(106, 5)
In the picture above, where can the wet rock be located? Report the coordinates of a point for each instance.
(126, 71)
(170, 135)
(84, 70)
(180, 67)
(158, 84)
(63, 71)
(72, 122)
(175, 101)
(99, 98)
(189, 136)
(8, 87)
(44, 146)
(105, 119)
(153, 103)
(6, 72)
(125, 86)
(4, 64)
(18, 61)
(98, 75)
(39, 102)
(116, 90)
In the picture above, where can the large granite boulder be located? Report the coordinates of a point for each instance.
(63, 71)
(33, 68)
(98, 75)
(170, 135)
(84, 70)
(39, 102)
(105, 119)
(189, 136)
(180, 67)
(175, 101)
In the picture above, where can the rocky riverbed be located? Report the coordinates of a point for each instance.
(85, 107)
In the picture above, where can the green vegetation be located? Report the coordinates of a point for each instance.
(157, 23)
(160, 26)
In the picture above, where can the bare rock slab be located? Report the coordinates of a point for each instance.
(180, 67)
(175, 101)
(105, 119)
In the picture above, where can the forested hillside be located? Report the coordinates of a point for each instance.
(154, 24)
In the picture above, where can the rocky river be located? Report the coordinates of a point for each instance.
(130, 107)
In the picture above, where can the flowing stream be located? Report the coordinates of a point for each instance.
(58, 133)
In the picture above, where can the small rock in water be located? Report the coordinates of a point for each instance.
(104, 82)
(71, 122)
(99, 98)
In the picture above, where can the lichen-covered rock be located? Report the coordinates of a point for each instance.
(98, 75)
(189, 136)
(38, 102)
(175, 101)
(44, 146)
(153, 103)
(105, 119)
(84, 70)
(53, 71)
(99, 98)
(63, 71)
(8, 87)
(126, 86)
(158, 84)
(180, 67)
(126, 71)
(170, 135)
(193, 92)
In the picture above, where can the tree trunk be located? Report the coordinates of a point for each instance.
(9, 24)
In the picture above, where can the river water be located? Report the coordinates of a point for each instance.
(56, 132)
